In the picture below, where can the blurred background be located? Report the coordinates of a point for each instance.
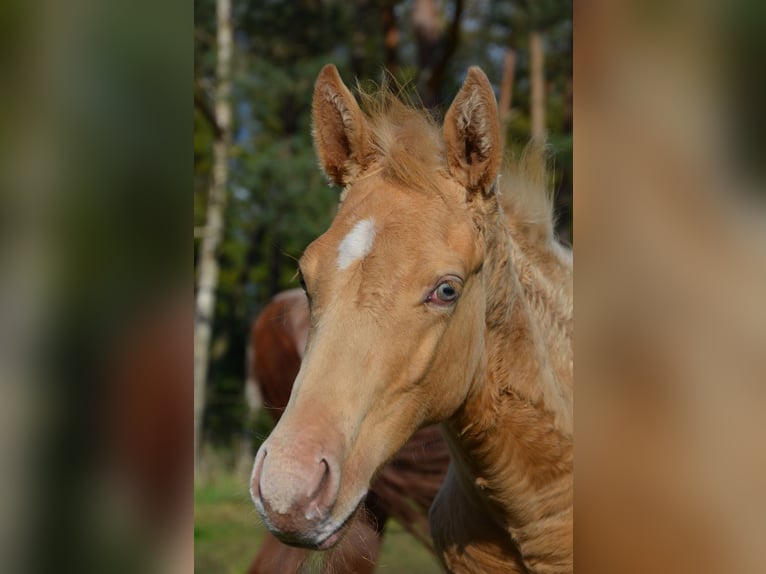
(96, 327)
(260, 198)
(670, 278)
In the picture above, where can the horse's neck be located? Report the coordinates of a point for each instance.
(512, 439)
(534, 338)
(529, 323)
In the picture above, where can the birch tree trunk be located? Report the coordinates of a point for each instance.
(537, 73)
(207, 264)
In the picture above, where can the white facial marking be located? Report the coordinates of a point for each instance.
(357, 244)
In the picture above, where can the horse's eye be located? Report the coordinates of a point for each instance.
(302, 281)
(444, 294)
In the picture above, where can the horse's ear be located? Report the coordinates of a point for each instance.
(472, 133)
(339, 128)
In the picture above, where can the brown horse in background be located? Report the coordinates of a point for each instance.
(405, 488)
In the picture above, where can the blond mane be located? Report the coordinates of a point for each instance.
(409, 148)
(406, 139)
(526, 193)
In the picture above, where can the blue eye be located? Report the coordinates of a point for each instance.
(444, 293)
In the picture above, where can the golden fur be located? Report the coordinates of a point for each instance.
(384, 358)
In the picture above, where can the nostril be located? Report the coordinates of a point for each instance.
(325, 470)
(327, 486)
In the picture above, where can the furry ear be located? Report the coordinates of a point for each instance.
(472, 133)
(339, 128)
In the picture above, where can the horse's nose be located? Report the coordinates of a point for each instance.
(294, 490)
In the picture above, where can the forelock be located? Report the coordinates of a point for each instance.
(407, 140)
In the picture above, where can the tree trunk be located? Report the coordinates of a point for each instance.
(390, 38)
(537, 79)
(506, 87)
(436, 46)
(359, 39)
(207, 265)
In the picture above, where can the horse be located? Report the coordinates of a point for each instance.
(404, 489)
(439, 294)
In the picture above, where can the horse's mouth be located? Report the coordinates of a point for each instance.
(333, 538)
(302, 541)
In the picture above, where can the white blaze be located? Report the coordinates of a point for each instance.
(357, 244)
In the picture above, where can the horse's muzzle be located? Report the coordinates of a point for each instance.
(294, 490)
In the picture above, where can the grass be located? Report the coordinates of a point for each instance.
(228, 532)
(401, 553)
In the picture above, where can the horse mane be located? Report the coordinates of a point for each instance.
(404, 136)
(409, 147)
(526, 194)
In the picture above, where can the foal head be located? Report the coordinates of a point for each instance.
(397, 299)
